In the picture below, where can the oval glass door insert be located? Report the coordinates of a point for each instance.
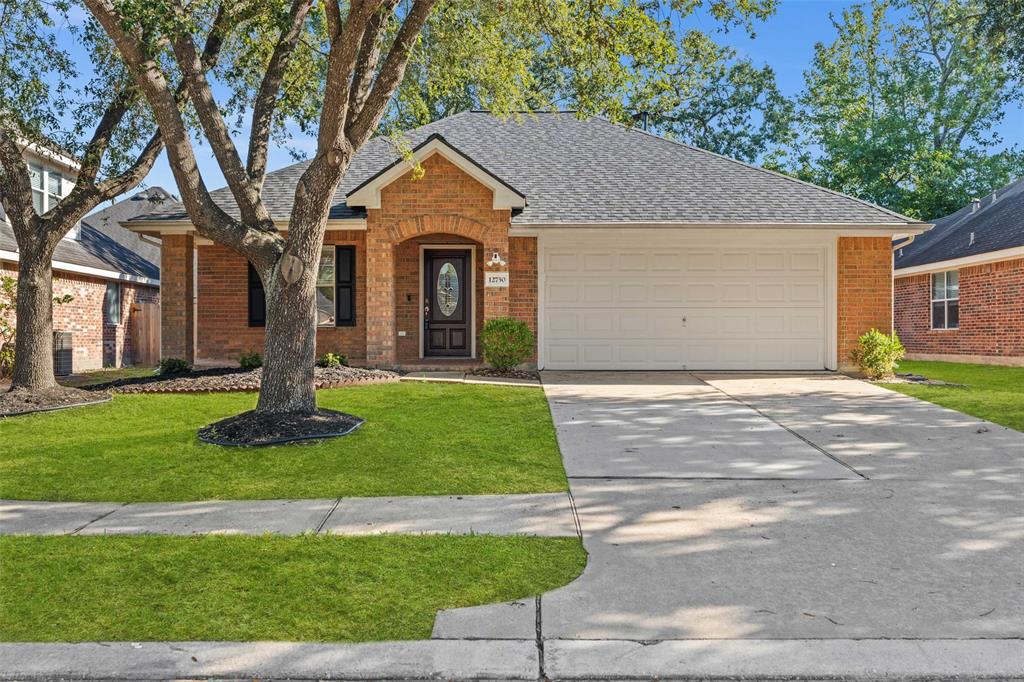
(447, 289)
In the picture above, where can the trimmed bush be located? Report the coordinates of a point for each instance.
(174, 366)
(506, 342)
(878, 354)
(332, 360)
(250, 360)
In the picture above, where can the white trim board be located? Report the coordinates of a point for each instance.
(186, 227)
(965, 262)
(87, 270)
(368, 196)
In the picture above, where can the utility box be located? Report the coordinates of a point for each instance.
(63, 354)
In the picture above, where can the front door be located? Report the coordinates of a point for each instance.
(446, 303)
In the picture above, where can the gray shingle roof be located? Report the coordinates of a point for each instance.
(594, 171)
(997, 224)
(104, 244)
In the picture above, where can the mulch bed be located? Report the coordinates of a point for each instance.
(19, 401)
(256, 429)
(226, 379)
(526, 374)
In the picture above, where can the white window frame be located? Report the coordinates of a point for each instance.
(945, 301)
(47, 199)
(333, 285)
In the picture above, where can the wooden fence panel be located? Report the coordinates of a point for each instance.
(146, 333)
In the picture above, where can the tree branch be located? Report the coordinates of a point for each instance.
(266, 99)
(15, 184)
(391, 73)
(369, 56)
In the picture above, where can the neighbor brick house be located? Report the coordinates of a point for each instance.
(620, 249)
(960, 287)
(105, 268)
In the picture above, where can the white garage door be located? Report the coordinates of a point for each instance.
(608, 306)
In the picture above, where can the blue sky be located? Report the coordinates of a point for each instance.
(785, 41)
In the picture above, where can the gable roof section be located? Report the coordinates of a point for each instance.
(367, 193)
(106, 246)
(997, 225)
(593, 172)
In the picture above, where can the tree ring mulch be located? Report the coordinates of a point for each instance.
(255, 429)
(19, 401)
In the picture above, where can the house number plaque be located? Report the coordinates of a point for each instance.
(496, 280)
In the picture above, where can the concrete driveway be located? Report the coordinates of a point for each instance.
(769, 507)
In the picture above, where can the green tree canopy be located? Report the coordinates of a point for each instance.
(902, 108)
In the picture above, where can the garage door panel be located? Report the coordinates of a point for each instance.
(696, 308)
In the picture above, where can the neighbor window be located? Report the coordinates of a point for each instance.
(35, 174)
(112, 303)
(946, 300)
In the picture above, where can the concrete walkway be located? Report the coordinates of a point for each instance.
(539, 514)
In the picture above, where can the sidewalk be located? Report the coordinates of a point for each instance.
(546, 514)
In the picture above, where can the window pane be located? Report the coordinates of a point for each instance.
(325, 306)
(53, 184)
(953, 284)
(953, 315)
(112, 304)
(938, 315)
(37, 201)
(325, 273)
(938, 285)
(35, 174)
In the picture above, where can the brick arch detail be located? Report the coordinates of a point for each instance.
(444, 223)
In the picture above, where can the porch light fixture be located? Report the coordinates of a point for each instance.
(495, 260)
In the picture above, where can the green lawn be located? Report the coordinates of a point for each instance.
(419, 439)
(310, 588)
(991, 392)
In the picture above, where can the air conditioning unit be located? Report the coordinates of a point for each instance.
(63, 354)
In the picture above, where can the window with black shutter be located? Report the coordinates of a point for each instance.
(257, 300)
(346, 283)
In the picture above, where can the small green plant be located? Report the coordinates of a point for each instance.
(879, 354)
(250, 360)
(506, 342)
(332, 360)
(174, 366)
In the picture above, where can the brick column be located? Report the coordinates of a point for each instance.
(177, 289)
(496, 299)
(864, 291)
(380, 296)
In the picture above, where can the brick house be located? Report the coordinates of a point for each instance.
(620, 249)
(105, 268)
(959, 289)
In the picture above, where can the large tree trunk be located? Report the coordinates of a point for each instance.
(33, 348)
(289, 351)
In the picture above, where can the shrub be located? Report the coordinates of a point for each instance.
(250, 360)
(878, 354)
(506, 342)
(332, 360)
(173, 366)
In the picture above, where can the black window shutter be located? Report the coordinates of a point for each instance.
(345, 274)
(257, 300)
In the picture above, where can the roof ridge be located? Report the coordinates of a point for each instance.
(767, 171)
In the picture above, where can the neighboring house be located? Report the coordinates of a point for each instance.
(622, 250)
(105, 268)
(960, 287)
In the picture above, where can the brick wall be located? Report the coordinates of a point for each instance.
(523, 283)
(445, 202)
(223, 306)
(991, 313)
(95, 343)
(864, 290)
